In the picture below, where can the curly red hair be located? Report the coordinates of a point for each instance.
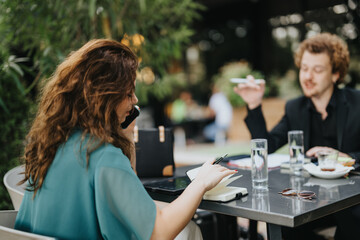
(84, 92)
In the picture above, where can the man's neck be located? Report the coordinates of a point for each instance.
(321, 102)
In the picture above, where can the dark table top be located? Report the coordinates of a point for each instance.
(332, 195)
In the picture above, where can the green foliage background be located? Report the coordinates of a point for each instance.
(14, 106)
(47, 31)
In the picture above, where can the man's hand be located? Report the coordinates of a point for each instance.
(312, 152)
(251, 92)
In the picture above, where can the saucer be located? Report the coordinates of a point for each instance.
(340, 171)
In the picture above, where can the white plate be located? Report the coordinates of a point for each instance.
(316, 171)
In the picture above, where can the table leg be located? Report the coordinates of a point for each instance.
(273, 231)
(227, 227)
(252, 232)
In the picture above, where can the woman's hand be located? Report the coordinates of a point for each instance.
(173, 218)
(251, 92)
(210, 174)
(312, 152)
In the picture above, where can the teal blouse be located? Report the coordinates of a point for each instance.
(105, 200)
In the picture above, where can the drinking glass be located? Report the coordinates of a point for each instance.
(296, 150)
(327, 159)
(259, 169)
(260, 199)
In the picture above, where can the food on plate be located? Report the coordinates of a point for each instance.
(346, 161)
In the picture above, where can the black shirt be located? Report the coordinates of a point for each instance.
(323, 132)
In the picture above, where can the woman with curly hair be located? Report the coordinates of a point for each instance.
(78, 159)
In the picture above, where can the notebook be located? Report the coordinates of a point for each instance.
(221, 192)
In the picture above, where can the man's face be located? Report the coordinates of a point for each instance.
(316, 77)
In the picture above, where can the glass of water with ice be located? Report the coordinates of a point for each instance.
(259, 164)
(296, 150)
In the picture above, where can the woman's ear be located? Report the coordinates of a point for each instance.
(335, 77)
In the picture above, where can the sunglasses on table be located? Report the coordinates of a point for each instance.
(305, 194)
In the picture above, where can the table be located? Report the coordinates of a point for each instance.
(276, 210)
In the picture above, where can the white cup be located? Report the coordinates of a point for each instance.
(296, 150)
(259, 164)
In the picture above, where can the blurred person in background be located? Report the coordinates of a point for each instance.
(79, 161)
(328, 116)
(220, 109)
(181, 108)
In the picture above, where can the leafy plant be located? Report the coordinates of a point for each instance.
(45, 32)
(14, 107)
(157, 30)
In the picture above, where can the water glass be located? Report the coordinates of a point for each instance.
(327, 160)
(296, 150)
(259, 164)
(260, 199)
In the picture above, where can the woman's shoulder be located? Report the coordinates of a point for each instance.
(110, 156)
(104, 154)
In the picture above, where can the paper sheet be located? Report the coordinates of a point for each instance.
(274, 161)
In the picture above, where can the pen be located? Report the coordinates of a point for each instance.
(244, 80)
(218, 160)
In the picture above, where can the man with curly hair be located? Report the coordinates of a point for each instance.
(328, 116)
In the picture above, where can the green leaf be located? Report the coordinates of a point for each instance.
(16, 68)
(92, 7)
(142, 4)
(19, 85)
(23, 59)
(2, 104)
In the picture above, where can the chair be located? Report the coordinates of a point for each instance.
(7, 231)
(11, 179)
(7, 218)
